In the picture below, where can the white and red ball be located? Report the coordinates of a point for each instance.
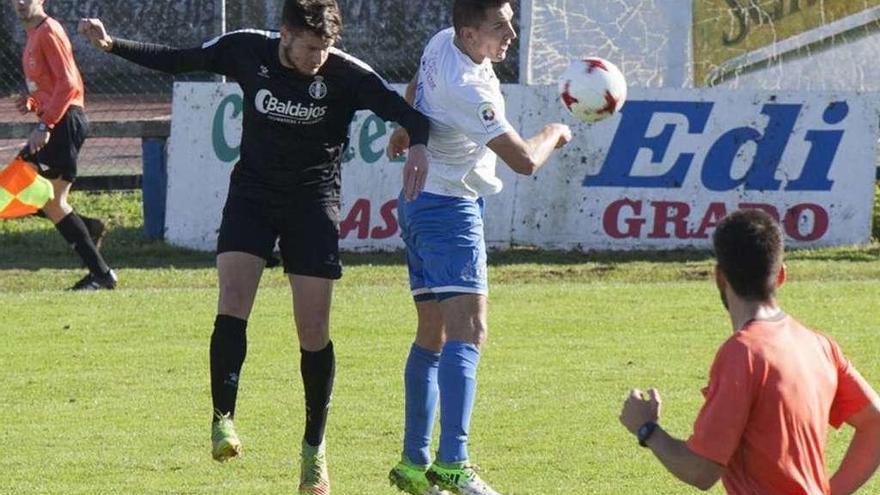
(592, 89)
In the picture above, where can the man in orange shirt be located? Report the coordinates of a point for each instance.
(56, 95)
(774, 388)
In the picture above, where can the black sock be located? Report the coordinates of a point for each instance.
(74, 231)
(92, 224)
(318, 370)
(228, 349)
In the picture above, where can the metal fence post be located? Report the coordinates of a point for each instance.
(220, 28)
(155, 186)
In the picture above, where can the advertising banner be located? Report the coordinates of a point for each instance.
(730, 34)
(659, 175)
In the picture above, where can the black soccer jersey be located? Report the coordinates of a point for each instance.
(295, 127)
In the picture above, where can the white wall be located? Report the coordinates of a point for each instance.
(651, 40)
(849, 67)
(648, 39)
(564, 205)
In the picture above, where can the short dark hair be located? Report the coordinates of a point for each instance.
(321, 17)
(472, 13)
(749, 247)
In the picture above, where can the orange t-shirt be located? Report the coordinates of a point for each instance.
(53, 80)
(774, 388)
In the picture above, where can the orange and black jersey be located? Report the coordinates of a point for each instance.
(295, 127)
(53, 81)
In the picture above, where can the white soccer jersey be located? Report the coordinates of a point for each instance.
(464, 102)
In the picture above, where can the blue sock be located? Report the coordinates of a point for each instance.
(458, 388)
(422, 392)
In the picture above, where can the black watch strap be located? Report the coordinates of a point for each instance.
(645, 431)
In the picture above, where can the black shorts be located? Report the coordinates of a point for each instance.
(308, 230)
(58, 159)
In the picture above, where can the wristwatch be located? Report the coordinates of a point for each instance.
(42, 127)
(645, 431)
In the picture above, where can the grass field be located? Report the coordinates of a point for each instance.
(108, 392)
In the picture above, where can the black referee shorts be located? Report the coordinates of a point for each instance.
(58, 159)
(308, 231)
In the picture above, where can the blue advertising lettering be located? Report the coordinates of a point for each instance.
(716, 172)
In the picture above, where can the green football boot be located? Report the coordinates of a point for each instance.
(225, 443)
(410, 478)
(313, 476)
(459, 479)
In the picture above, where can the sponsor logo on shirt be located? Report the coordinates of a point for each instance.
(487, 116)
(318, 89)
(288, 111)
(264, 72)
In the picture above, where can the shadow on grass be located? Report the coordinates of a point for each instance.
(523, 255)
(868, 253)
(529, 255)
(125, 247)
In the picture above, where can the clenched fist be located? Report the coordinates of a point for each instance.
(93, 30)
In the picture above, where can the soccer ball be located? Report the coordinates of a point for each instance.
(592, 89)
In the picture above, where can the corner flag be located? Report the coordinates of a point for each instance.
(22, 191)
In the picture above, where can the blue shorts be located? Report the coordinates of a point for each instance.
(445, 249)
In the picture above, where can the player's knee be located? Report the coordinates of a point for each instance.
(431, 337)
(236, 310)
(55, 211)
(481, 334)
(313, 333)
(234, 301)
(313, 341)
(54, 204)
(477, 332)
(50, 210)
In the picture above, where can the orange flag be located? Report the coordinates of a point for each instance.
(22, 190)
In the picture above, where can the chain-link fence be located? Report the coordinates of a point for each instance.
(387, 34)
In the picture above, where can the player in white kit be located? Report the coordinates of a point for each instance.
(442, 227)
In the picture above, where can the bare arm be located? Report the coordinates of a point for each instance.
(682, 462)
(674, 454)
(863, 456)
(527, 156)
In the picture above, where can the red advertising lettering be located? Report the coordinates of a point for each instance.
(795, 217)
(633, 225)
(390, 228)
(663, 215)
(803, 222)
(359, 219)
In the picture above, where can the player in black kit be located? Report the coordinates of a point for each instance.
(300, 95)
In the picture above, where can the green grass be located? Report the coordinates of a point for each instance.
(108, 392)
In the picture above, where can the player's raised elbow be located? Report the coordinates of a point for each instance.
(525, 166)
(515, 152)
